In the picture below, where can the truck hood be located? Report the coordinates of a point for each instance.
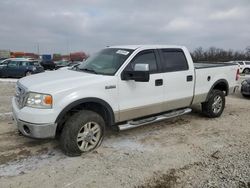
(55, 81)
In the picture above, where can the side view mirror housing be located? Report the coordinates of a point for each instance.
(3, 65)
(139, 74)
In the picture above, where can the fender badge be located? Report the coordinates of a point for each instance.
(110, 87)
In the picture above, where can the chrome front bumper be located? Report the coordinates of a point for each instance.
(35, 130)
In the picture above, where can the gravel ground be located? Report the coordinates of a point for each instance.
(188, 151)
(7, 90)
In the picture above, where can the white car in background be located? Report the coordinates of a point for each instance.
(244, 66)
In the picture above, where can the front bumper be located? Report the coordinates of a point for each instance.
(33, 130)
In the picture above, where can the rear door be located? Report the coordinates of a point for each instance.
(178, 79)
(12, 69)
(23, 68)
(138, 99)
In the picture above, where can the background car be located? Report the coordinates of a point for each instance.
(48, 65)
(245, 88)
(72, 65)
(19, 67)
(244, 66)
(60, 64)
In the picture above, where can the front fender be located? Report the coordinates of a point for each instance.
(87, 100)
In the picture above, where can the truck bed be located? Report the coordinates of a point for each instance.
(200, 65)
(208, 73)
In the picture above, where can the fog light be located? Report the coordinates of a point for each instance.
(26, 129)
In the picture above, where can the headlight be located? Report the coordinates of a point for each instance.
(244, 82)
(39, 100)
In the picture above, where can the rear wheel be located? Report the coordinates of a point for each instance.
(215, 105)
(246, 71)
(28, 73)
(82, 132)
(246, 96)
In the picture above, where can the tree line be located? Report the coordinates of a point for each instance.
(214, 54)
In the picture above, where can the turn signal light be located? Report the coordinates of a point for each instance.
(48, 99)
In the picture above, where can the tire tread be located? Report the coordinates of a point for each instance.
(71, 128)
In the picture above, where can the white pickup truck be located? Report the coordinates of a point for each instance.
(120, 87)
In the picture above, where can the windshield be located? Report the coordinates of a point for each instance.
(106, 62)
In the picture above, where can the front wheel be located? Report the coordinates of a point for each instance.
(215, 105)
(82, 132)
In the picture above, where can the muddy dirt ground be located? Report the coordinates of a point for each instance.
(188, 151)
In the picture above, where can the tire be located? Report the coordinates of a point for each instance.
(79, 133)
(28, 73)
(215, 105)
(246, 71)
(246, 96)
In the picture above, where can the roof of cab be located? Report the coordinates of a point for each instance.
(134, 47)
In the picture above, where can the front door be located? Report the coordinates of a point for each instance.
(12, 69)
(138, 99)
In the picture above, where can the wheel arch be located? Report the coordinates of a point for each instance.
(95, 104)
(222, 85)
(246, 68)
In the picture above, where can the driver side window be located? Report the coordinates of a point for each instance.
(144, 57)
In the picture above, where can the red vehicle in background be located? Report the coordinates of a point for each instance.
(78, 56)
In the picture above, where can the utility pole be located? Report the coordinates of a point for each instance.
(67, 44)
(38, 49)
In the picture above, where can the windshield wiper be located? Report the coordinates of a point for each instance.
(89, 70)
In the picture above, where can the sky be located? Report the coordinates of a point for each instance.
(62, 26)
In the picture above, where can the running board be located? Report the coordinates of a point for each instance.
(133, 124)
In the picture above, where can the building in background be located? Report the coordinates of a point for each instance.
(4, 54)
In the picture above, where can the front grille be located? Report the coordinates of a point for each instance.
(20, 95)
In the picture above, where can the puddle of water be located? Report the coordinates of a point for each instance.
(29, 164)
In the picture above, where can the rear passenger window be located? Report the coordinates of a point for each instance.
(174, 60)
(144, 57)
(24, 63)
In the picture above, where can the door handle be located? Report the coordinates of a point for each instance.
(159, 82)
(189, 78)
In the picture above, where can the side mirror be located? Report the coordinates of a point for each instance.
(139, 74)
(3, 66)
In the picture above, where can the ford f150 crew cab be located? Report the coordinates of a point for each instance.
(120, 87)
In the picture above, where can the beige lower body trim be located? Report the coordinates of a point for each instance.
(175, 104)
(200, 98)
(133, 113)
